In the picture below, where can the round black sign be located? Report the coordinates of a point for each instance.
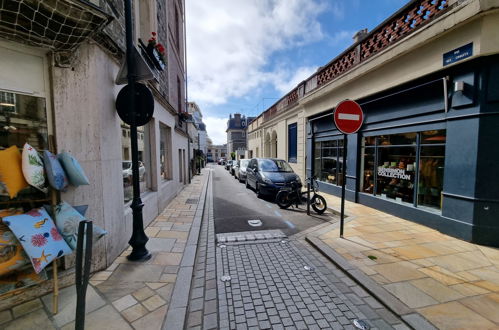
(144, 105)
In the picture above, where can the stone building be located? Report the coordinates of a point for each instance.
(427, 80)
(236, 134)
(60, 64)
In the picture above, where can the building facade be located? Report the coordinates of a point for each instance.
(426, 79)
(215, 152)
(236, 134)
(59, 83)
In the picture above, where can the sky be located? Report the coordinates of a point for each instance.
(244, 55)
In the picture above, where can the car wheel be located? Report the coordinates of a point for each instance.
(258, 192)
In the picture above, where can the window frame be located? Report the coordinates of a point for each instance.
(293, 143)
(337, 148)
(418, 145)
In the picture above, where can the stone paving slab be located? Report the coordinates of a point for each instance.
(428, 272)
(131, 295)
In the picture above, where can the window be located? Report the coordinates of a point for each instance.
(328, 160)
(165, 152)
(7, 102)
(179, 95)
(392, 164)
(144, 162)
(177, 29)
(23, 119)
(292, 143)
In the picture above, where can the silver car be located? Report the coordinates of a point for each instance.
(240, 172)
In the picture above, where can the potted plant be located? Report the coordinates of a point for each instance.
(156, 52)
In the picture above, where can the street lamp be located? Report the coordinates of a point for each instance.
(139, 238)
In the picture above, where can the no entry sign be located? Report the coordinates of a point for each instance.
(348, 116)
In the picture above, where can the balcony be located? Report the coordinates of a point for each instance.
(59, 25)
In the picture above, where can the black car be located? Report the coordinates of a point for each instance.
(268, 175)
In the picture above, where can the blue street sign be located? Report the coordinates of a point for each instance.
(458, 54)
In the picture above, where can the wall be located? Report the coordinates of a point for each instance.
(88, 126)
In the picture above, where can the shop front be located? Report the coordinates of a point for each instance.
(424, 152)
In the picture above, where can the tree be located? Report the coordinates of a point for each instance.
(233, 155)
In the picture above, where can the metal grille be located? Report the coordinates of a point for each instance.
(59, 25)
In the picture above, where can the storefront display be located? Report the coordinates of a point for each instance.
(328, 157)
(390, 167)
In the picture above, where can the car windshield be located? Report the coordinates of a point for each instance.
(244, 163)
(274, 165)
(126, 165)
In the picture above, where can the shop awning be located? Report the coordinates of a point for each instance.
(60, 25)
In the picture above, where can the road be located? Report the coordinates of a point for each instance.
(234, 205)
(256, 281)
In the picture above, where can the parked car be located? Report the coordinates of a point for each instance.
(127, 170)
(240, 172)
(268, 175)
(228, 165)
(221, 161)
(235, 165)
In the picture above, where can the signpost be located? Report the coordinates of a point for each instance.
(348, 118)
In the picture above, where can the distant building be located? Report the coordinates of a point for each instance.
(236, 133)
(215, 152)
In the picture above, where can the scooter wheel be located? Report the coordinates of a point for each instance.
(319, 204)
(283, 199)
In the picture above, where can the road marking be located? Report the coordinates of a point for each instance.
(277, 213)
(268, 205)
(289, 223)
(348, 116)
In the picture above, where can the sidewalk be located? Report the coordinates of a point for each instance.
(452, 283)
(130, 295)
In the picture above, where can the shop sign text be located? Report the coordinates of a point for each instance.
(397, 173)
(458, 54)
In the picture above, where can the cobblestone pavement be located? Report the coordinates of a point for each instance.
(270, 287)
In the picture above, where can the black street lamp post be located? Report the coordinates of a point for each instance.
(139, 238)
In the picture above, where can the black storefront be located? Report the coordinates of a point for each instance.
(428, 151)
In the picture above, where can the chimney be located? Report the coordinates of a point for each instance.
(360, 35)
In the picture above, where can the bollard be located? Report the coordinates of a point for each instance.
(82, 270)
(308, 197)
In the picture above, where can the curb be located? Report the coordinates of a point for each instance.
(408, 315)
(177, 311)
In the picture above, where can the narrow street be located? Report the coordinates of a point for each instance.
(266, 278)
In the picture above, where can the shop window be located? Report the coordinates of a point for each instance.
(390, 168)
(144, 163)
(328, 159)
(165, 152)
(23, 119)
(292, 143)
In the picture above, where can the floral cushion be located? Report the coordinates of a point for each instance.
(33, 168)
(11, 174)
(21, 279)
(67, 219)
(39, 237)
(73, 169)
(12, 254)
(55, 174)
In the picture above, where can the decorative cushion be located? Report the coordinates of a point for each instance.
(39, 237)
(21, 279)
(55, 174)
(82, 209)
(11, 173)
(12, 254)
(73, 169)
(33, 168)
(67, 220)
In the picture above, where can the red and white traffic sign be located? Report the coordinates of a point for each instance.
(348, 116)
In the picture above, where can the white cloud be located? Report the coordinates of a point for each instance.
(216, 129)
(286, 80)
(229, 43)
